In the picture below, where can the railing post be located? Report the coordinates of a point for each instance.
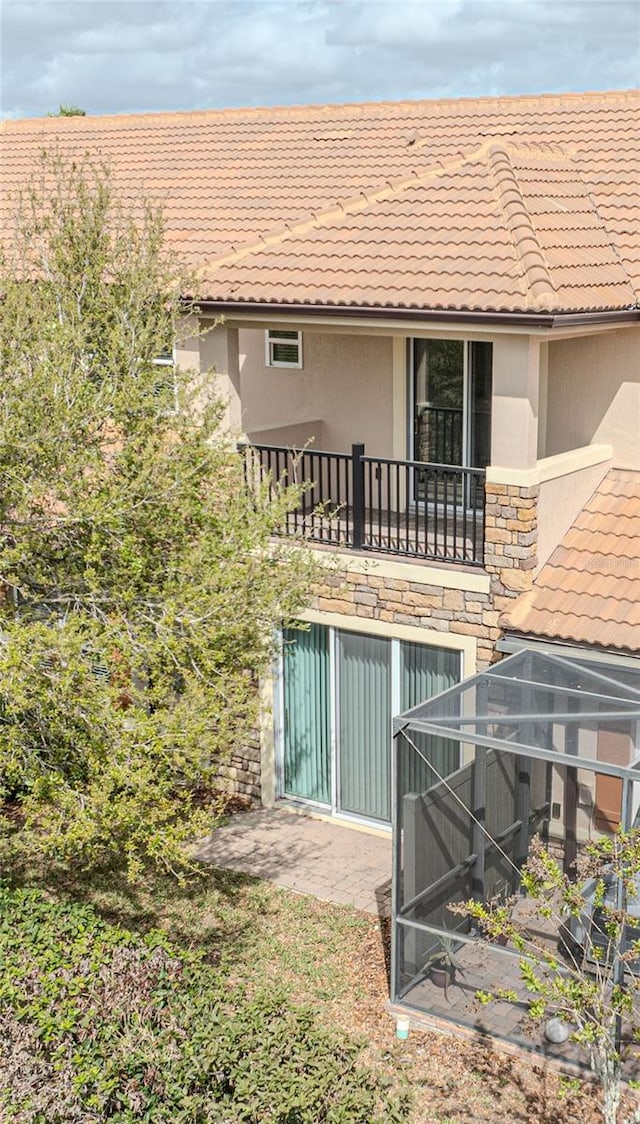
(357, 453)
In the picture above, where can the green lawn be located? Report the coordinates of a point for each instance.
(228, 1000)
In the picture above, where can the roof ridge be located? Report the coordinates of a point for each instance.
(393, 187)
(530, 255)
(625, 93)
(546, 150)
(551, 151)
(352, 206)
(382, 212)
(588, 189)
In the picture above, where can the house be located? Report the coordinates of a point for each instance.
(436, 304)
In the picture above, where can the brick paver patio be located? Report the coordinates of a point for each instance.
(326, 860)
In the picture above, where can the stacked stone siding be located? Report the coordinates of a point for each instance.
(511, 541)
(511, 536)
(240, 775)
(410, 603)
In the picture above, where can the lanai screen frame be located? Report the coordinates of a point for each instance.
(591, 695)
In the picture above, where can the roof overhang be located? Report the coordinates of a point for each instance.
(372, 313)
(514, 641)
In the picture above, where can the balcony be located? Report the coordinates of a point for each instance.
(431, 512)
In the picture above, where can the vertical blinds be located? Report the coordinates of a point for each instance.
(307, 757)
(425, 672)
(360, 712)
(364, 706)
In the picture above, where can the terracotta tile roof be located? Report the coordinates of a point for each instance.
(589, 590)
(509, 204)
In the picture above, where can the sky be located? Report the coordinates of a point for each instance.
(123, 56)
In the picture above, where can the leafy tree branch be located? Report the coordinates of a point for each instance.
(142, 587)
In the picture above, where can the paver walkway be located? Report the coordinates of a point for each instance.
(327, 861)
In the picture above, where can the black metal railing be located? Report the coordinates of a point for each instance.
(439, 434)
(326, 480)
(430, 511)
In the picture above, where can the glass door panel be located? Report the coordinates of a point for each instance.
(479, 412)
(481, 360)
(307, 725)
(438, 408)
(364, 725)
(425, 672)
(438, 403)
(451, 416)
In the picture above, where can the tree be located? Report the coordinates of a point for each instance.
(141, 585)
(68, 111)
(591, 983)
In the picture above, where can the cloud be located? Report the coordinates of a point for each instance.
(113, 56)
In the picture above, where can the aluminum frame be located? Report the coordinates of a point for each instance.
(610, 694)
(438, 716)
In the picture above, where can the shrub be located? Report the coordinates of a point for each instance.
(97, 1024)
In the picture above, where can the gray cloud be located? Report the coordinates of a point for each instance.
(112, 56)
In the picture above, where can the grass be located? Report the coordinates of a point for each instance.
(332, 958)
(251, 930)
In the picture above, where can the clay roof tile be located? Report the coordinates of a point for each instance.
(545, 188)
(589, 590)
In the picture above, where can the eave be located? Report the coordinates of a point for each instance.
(532, 320)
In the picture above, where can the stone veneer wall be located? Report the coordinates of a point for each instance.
(240, 775)
(413, 603)
(511, 541)
(511, 536)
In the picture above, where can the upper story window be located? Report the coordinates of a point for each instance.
(283, 349)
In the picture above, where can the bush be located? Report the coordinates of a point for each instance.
(97, 1024)
(141, 588)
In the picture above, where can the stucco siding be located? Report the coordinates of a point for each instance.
(346, 384)
(560, 501)
(593, 394)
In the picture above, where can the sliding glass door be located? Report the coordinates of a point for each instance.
(364, 715)
(450, 403)
(438, 401)
(307, 728)
(425, 672)
(340, 690)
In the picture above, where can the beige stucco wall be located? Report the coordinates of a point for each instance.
(560, 501)
(355, 386)
(548, 398)
(218, 349)
(593, 394)
(346, 383)
(517, 362)
(292, 436)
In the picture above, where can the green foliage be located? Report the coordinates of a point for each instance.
(567, 1086)
(68, 111)
(142, 588)
(100, 1025)
(445, 954)
(589, 986)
